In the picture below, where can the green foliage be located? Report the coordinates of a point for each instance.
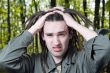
(108, 5)
(60, 3)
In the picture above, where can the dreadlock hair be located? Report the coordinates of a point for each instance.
(74, 42)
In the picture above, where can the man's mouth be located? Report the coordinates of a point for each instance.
(57, 49)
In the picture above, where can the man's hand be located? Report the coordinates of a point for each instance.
(85, 32)
(39, 24)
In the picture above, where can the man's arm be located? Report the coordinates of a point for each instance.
(10, 55)
(13, 56)
(85, 32)
(98, 48)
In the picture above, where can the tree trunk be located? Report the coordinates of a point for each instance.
(109, 19)
(97, 16)
(8, 21)
(53, 3)
(85, 10)
(67, 3)
(85, 7)
(1, 35)
(35, 5)
(22, 14)
(103, 13)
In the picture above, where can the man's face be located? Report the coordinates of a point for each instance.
(56, 36)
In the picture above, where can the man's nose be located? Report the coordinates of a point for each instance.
(56, 40)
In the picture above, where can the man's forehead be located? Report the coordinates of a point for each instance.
(59, 32)
(55, 26)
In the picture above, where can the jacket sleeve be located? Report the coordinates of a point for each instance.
(14, 54)
(98, 48)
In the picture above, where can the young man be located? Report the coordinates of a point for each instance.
(59, 41)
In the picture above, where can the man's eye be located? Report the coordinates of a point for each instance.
(49, 34)
(62, 34)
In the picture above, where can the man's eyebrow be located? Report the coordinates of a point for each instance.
(58, 32)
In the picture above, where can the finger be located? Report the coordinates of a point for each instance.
(59, 8)
(49, 10)
(49, 13)
(56, 8)
(42, 18)
(60, 12)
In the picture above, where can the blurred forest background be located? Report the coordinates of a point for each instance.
(14, 13)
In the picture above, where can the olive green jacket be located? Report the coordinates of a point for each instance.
(91, 59)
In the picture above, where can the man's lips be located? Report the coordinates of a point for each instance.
(57, 49)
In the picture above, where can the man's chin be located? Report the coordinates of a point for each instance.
(58, 55)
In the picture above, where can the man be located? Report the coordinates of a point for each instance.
(58, 29)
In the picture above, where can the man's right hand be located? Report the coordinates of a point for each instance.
(39, 24)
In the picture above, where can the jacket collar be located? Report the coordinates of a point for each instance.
(74, 58)
(66, 61)
(50, 62)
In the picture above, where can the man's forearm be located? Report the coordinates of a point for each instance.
(85, 32)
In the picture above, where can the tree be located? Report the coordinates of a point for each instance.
(35, 5)
(67, 3)
(85, 7)
(108, 10)
(8, 20)
(53, 3)
(96, 15)
(103, 13)
(22, 12)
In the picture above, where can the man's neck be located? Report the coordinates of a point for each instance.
(57, 59)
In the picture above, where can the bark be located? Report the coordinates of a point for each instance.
(96, 15)
(109, 19)
(85, 10)
(8, 21)
(22, 14)
(53, 3)
(103, 13)
(35, 5)
(85, 7)
(67, 3)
